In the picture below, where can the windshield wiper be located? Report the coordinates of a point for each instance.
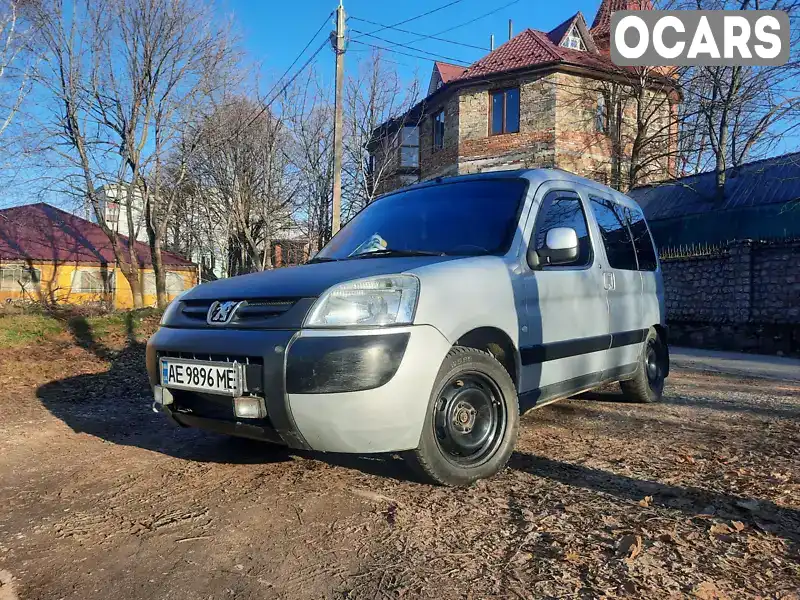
(321, 259)
(392, 252)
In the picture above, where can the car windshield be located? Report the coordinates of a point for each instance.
(462, 218)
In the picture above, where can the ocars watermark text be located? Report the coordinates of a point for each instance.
(699, 37)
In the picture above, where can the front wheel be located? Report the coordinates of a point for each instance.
(472, 421)
(647, 384)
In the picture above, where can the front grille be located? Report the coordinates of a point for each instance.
(250, 312)
(207, 406)
(203, 405)
(247, 360)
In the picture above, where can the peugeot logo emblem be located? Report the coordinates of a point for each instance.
(221, 313)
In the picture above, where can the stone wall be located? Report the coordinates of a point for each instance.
(741, 296)
(582, 149)
(532, 147)
(442, 162)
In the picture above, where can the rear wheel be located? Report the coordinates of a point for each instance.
(472, 422)
(647, 384)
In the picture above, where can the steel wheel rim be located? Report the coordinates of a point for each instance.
(653, 366)
(470, 419)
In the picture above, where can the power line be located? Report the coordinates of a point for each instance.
(303, 51)
(444, 58)
(403, 46)
(470, 22)
(266, 106)
(433, 37)
(288, 83)
(430, 12)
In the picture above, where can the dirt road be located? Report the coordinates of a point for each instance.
(102, 499)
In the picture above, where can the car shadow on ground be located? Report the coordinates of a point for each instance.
(116, 406)
(692, 501)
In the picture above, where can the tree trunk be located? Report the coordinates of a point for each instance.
(155, 241)
(721, 164)
(131, 273)
(160, 274)
(720, 176)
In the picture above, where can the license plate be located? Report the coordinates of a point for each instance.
(201, 376)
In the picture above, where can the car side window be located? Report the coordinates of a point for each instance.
(642, 242)
(613, 223)
(564, 209)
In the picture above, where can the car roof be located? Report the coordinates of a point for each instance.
(535, 176)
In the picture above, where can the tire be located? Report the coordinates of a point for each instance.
(472, 422)
(647, 385)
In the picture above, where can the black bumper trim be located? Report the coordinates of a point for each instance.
(245, 430)
(337, 364)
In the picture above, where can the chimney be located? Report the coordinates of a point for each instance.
(510, 29)
(491, 42)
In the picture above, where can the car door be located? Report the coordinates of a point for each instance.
(622, 282)
(565, 336)
(653, 309)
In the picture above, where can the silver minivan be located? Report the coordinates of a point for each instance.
(427, 325)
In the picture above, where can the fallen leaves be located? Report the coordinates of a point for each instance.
(629, 546)
(720, 529)
(646, 501)
(611, 522)
(707, 590)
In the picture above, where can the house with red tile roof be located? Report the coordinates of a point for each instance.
(543, 99)
(50, 255)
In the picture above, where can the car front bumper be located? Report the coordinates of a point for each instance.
(356, 391)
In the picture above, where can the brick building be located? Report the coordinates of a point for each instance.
(542, 99)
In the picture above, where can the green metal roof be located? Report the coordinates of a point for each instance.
(762, 200)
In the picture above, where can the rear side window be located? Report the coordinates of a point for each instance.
(564, 209)
(642, 242)
(612, 220)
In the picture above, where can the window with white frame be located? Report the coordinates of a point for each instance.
(112, 213)
(438, 131)
(92, 281)
(174, 282)
(18, 278)
(601, 115)
(573, 39)
(409, 147)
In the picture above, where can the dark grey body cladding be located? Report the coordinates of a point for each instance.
(546, 352)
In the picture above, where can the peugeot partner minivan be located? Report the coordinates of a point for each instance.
(427, 325)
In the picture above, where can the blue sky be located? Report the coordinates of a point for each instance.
(275, 32)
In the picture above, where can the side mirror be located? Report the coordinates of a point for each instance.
(561, 247)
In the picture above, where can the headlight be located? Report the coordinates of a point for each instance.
(171, 309)
(384, 300)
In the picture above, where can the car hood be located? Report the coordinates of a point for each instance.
(306, 281)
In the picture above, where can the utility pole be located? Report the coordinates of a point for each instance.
(338, 121)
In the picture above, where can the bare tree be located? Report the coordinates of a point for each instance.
(310, 120)
(629, 115)
(239, 176)
(18, 59)
(126, 77)
(743, 110)
(374, 95)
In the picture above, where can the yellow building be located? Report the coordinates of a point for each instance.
(47, 254)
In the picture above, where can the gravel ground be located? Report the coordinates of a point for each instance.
(698, 496)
